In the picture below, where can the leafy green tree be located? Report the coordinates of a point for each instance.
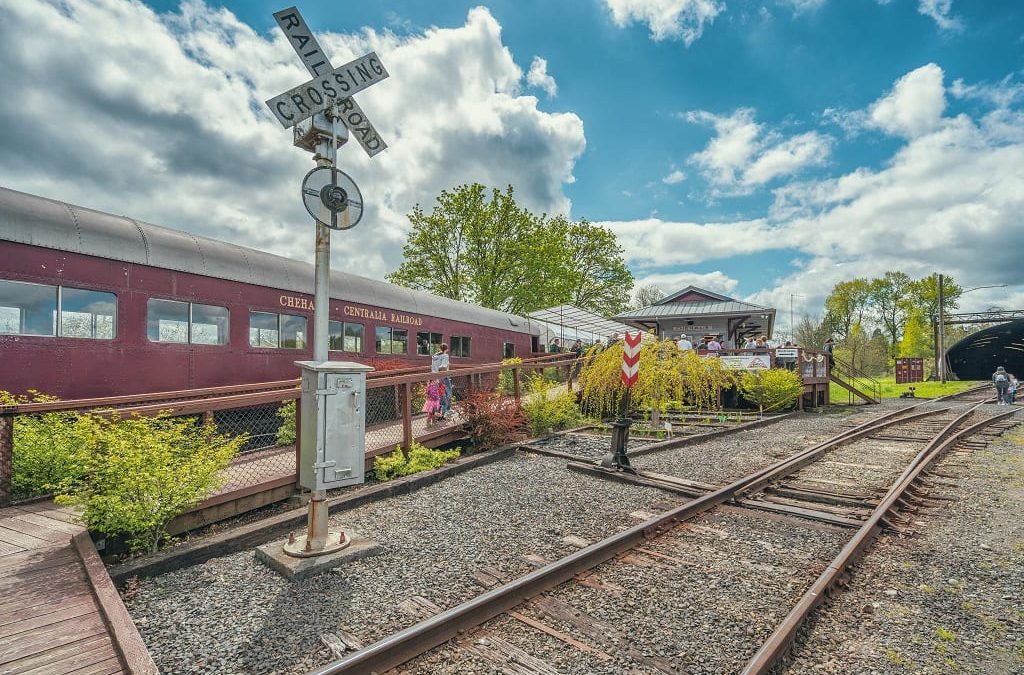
(647, 295)
(876, 356)
(917, 336)
(487, 251)
(846, 305)
(890, 298)
(925, 296)
(596, 273)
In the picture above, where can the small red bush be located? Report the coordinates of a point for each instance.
(492, 420)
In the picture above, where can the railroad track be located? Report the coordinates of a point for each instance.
(711, 531)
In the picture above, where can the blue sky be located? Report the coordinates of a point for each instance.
(758, 148)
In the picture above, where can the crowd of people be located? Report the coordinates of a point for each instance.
(1006, 386)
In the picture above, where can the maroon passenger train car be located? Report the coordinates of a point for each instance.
(93, 304)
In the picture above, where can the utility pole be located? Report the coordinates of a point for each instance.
(942, 332)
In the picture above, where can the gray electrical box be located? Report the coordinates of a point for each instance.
(332, 435)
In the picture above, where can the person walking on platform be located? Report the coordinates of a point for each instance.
(827, 348)
(574, 368)
(441, 363)
(1002, 381)
(714, 345)
(684, 343)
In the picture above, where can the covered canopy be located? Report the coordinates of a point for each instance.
(571, 323)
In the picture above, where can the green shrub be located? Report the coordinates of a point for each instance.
(143, 471)
(48, 448)
(286, 432)
(394, 465)
(506, 385)
(547, 412)
(775, 389)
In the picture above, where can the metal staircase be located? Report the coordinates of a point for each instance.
(855, 381)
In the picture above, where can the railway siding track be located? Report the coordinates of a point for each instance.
(455, 622)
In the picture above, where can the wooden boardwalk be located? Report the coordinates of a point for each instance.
(59, 611)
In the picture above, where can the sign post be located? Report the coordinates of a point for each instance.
(616, 458)
(324, 101)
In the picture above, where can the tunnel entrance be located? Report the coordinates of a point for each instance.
(977, 356)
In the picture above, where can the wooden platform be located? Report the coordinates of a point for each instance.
(59, 611)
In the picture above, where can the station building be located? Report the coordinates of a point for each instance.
(698, 312)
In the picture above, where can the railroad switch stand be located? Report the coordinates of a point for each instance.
(616, 457)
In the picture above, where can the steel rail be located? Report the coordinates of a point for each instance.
(414, 640)
(785, 633)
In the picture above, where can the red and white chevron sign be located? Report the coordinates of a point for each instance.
(630, 358)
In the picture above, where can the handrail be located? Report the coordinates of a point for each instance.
(237, 390)
(857, 378)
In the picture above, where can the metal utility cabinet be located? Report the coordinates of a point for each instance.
(332, 439)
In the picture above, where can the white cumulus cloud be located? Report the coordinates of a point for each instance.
(674, 177)
(914, 106)
(743, 155)
(939, 12)
(539, 77)
(674, 19)
(167, 123)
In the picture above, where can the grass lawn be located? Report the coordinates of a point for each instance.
(892, 390)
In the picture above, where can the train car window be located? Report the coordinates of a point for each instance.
(345, 337)
(427, 343)
(509, 350)
(353, 337)
(87, 314)
(392, 340)
(293, 331)
(27, 309)
(263, 329)
(209, 325)
(399, 341)
(460, 346)
(383, 340)
(167, 320)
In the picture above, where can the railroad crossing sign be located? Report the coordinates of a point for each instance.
(630, 358)
(330, 87)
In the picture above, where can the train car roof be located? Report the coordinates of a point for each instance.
(38, 221)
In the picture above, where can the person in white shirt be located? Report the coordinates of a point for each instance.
(714, 345)
(439, 363)
(684, 343)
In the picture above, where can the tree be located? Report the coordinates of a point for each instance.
(925, 295)
(596, 273)
(917, 336)
(491, 252)
(811, 332)
(889, 299)
(647, 295)
(846, 305)
(486, 251)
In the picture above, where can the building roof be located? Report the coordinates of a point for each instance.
(37, 221)
(659, 311)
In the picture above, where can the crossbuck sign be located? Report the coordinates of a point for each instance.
(329, 87)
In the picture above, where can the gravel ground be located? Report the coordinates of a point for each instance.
(948, 599)
(233, 615)
(725, 459)
(716, 591)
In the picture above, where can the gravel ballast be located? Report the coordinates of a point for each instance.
(233, 615)
(946, 598)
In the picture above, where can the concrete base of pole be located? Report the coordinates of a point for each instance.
(293, 568)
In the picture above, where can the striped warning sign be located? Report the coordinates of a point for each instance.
(630, 358)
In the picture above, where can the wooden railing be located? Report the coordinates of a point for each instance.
(393, 422)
